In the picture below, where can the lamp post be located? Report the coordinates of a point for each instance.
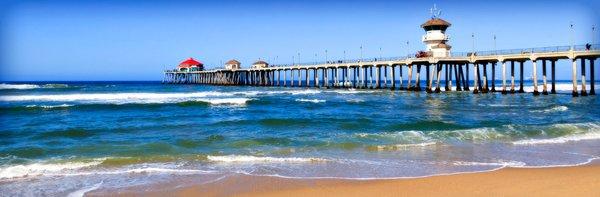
(379, 53)
(472, 44)
(315, 58)
(593, 34)
(571, 36)
(495, 49)
(326, 57)
(344, 56)
(298, 58)
(361, 54)
(407, 49)
(293, 60)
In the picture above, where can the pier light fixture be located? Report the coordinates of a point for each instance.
(298, 58)
(571, 39)
(379, 53)
(344, 56)
(495, 49)
(472, 43)
(326, 57)
(593, 34)
(361, 53)
(408, 49)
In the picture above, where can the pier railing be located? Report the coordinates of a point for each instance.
(453, 55)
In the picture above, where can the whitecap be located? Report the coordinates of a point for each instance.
(311, 100)
(5, 86)
(49, 106)
(225, 101)
(116, 98)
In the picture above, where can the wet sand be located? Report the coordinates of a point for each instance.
(556, 181)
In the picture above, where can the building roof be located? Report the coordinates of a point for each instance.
(436, 22)
(233, 61)
(189, 63)
(260, 62)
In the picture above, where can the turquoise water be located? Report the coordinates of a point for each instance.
(57, 138)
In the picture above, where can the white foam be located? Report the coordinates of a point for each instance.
(49, 106)
(311, 100)
(500, 163)
(254, 159)
(5, 86)
(116, 98)
(224, 101)
(81, 192)
(36, 169)
(559, 140)
(404, 146)
(553, 109)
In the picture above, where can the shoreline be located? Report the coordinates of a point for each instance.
(579, 180)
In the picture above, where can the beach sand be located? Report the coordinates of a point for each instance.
(557, 181)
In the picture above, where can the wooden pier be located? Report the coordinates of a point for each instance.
(381, 73)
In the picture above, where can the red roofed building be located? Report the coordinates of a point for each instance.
(190, 65)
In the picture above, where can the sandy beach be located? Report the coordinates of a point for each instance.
(556, 181)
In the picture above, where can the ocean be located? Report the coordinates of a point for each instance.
(67, 138)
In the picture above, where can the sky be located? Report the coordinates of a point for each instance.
(137, 40)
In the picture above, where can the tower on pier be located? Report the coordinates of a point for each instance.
(435, 37)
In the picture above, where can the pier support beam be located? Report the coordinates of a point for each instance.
(552, 68)
(545, 87)
(409, 85)
(574, 77)
(535, 81)
(400, 72)
(439, 74)
(393, 77)
(418, 78)
(485, 79)
(503, 77)
(476, 81)
(493, 76)
(457, 77)
(467, 86)
(428, 77)
(583, 88)
(521, 77)
(592, 79)
(377, 77)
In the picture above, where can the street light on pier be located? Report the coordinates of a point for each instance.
(361, 54)
(572, 35)
(379, 53)
(593, 34)
(407, 49)
(326, 57)
(298, 58)
(495, 49)
(472, 44)
(344, 56)
(316, 59)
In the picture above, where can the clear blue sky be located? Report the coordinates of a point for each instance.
(135, 40)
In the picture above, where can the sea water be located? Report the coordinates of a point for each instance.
(64, 138)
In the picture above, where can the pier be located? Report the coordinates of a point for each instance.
(388, 73)
(436, 62)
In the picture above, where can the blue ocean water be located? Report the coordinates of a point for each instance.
(61, 137)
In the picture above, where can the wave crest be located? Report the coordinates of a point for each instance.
(254, 159)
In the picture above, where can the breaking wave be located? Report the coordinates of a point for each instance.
(311, 100)
(37, 169)
(5, 86)
(254, 159)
